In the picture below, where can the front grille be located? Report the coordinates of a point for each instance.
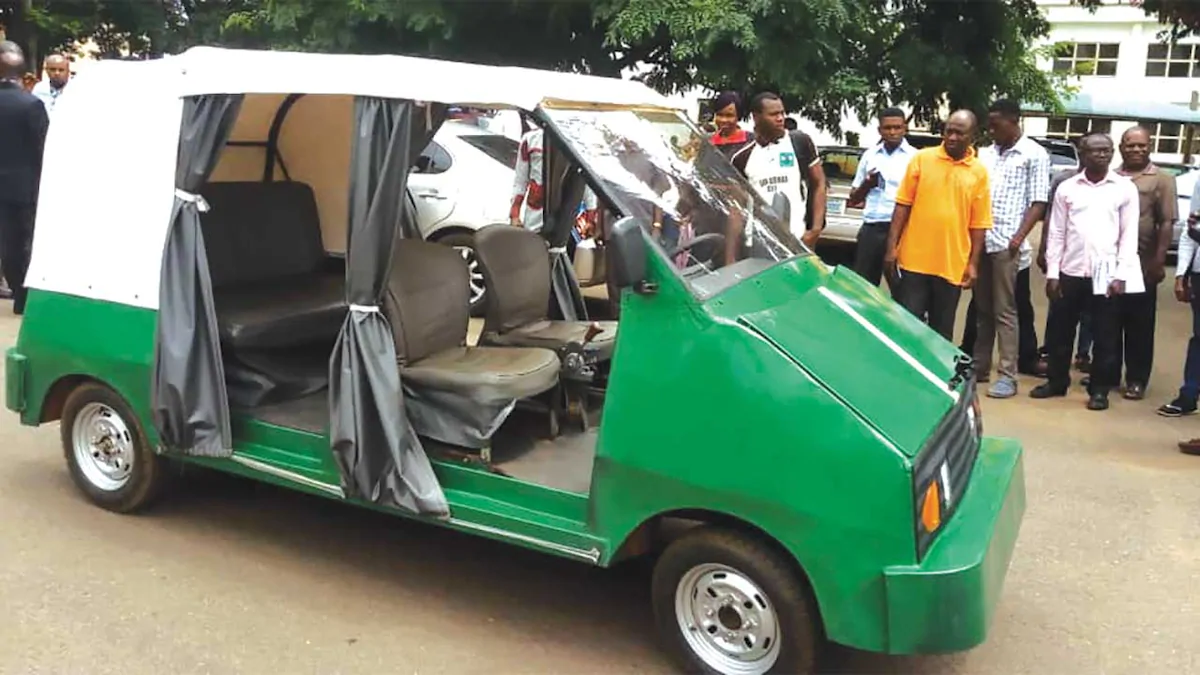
(954, 444)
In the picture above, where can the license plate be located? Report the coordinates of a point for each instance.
(835, 206)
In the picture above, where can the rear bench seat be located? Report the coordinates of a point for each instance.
(267, 264)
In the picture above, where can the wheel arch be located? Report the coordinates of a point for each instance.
(450, 230)
(648, 536)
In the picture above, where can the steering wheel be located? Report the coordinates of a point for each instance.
(709, 236)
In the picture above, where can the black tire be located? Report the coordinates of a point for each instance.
(147, 473)
(800, 635)
(465, 240)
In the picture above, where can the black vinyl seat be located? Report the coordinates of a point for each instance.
(268, 266)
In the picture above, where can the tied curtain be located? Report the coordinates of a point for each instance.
(189, 403)
(379, 454)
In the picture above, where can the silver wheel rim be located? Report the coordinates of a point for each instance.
(103, 447)
(727, 620)
(474, 273)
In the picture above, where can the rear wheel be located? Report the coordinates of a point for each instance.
(106, 450)
(464, 243)
(725, 602)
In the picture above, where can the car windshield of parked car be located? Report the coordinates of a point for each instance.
(698, 210)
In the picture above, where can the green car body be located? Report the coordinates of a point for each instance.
(796, 404)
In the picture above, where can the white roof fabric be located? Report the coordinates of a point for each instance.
(208, 70)
(109, 166)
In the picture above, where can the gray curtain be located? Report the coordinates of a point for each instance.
(380, 456)
(190, 406)
(564, 190)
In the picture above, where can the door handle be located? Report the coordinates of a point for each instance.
(431, 195)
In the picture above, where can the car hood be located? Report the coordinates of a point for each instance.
(878, 359)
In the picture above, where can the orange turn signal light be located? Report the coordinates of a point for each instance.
(931, 508)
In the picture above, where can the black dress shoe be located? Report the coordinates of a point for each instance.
(1098, 402)
(1135, 391)
(1047, 391)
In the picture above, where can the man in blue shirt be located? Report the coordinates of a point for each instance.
(878, 177)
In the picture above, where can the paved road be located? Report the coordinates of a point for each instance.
(231, 577)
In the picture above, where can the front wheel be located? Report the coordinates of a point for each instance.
(106, 450)
(727, 603)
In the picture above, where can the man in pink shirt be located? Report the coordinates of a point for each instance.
(1091, 252)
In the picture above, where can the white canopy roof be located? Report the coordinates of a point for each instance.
(209, 70)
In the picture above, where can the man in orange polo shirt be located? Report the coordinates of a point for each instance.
(943, 210)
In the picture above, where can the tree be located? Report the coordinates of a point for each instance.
(827, 56)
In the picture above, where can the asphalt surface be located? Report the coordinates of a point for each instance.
(231, 577)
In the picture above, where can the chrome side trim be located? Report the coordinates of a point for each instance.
(264, 467)
(591, 555)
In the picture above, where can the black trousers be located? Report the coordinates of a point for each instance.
(1027, 339)
(1060, 339)
(929, 298)
(1136, 315)
(868, 253)
(16, 235)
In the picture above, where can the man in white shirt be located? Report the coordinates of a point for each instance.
(875, 183)
(1091, 254)
(1187, 289)
(778, 162)
(1019, 176)
(58, 72)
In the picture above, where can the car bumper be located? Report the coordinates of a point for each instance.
(841, 228)
(946, 603)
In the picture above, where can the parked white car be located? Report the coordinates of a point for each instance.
(462, 182)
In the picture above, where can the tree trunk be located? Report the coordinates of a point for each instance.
(23, 32)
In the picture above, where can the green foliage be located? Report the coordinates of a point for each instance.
(823, 56)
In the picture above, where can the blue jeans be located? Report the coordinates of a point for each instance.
(1191, 367)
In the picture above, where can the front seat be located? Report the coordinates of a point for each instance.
(427, 304)
(516, 270)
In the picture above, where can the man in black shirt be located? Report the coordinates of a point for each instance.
(23, 123)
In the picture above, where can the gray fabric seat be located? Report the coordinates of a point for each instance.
(427, 304)
(267, 263)
(516, 269)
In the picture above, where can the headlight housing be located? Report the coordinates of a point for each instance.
(943, 467)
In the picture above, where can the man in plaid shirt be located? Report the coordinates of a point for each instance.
(1019, 175)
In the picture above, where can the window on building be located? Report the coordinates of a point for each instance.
(1070, 128)
(1166, 137)
(1172, 61)
(1087, 58)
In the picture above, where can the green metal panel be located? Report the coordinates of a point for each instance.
(947, 602)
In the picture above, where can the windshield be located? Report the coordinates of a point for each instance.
(698, 210)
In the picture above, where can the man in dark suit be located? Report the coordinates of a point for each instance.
(23, 123)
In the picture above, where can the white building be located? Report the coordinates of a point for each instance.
(1119, 60)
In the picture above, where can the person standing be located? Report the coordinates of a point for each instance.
(58, 73)
(1019, 178)
(729, 137)
(875, 184)
(1137, 312)
(943, 210)
(1187, 289)
(528, 182)
(1091, 254)
(23, 123)
(778, 162)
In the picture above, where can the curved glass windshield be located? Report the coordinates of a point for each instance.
(700, 212)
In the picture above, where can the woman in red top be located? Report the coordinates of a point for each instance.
(729, 138)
